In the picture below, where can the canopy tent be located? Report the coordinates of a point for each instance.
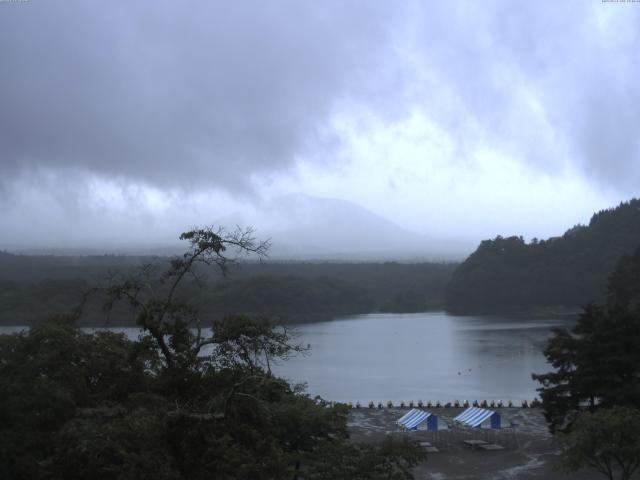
(415, 417)
(475, 416)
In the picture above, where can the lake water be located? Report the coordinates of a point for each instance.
(421, 356)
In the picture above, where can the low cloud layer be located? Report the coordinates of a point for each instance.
(204, 93)
(123, 116)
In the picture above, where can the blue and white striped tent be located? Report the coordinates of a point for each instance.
(475, 416)
(415, 417)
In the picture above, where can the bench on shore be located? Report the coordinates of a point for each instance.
(483, 445)
(491, 447)
(427, 447)
(475, 443)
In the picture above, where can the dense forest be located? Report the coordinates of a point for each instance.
(32, 287)
(502, 275)
(100, 406)
(591, 398)
(508, 274)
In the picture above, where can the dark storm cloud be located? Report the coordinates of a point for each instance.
(176, 93)
(172, 95)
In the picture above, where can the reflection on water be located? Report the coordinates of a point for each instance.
(422, 356)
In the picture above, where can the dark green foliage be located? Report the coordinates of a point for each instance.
(289, 297)
(31, 288)
(47, 376)
(606, 440)
(507, 274)
(597, 363)
(22, 302)
(623, 289)
(114, 442)
(592, 398)
(181, 402)
(409, 302)
(98, 406)
(392, 459)
(418, 287)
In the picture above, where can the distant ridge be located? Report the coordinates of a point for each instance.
(508, 274)
(307, 227)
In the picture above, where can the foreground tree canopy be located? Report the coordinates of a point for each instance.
(597, 362)
(592, 398)
(181, 402)
(606, 440)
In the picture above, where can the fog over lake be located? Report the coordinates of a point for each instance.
(419, 356)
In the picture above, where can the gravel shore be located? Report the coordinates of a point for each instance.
(529, 451)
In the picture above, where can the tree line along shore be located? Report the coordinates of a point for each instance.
(77, 404)
(506, 275)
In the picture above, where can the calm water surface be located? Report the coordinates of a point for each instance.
(422, 356)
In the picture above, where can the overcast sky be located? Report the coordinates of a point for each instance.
(129, 121)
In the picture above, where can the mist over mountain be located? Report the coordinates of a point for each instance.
(217, 175)
(307, 227)
(300, 227)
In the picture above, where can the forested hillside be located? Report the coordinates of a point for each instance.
(508, 274)
(84, 405)
(32, 287)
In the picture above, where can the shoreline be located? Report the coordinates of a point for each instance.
(534, 313)
(528, 449)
